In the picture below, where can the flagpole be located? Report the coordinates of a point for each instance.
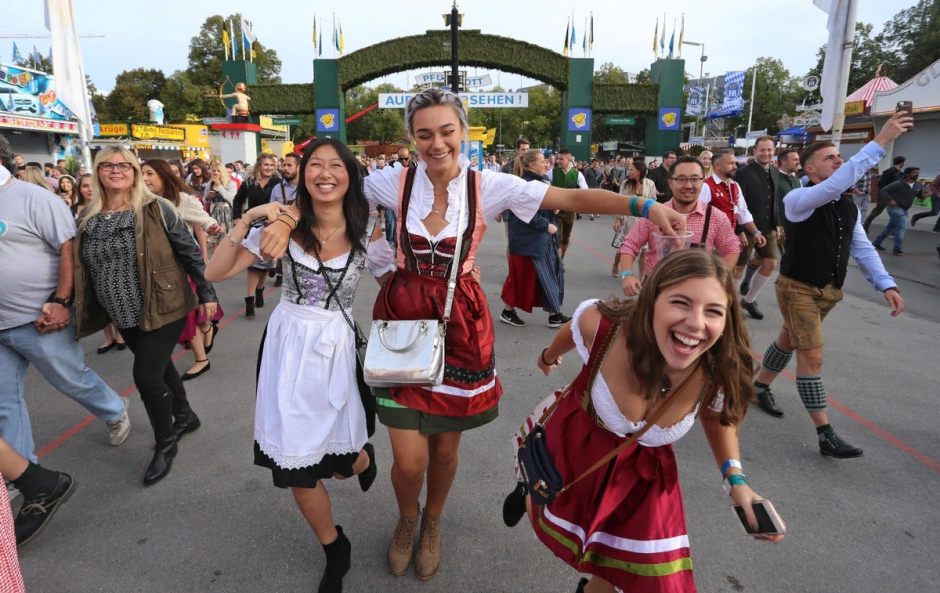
(839, 120)
(750, 115)
(584, 39)
(335, 38)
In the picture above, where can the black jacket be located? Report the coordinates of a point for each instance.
(254, 194)
(766, 213)
(889, 176)
(530, 238)
(660, 176)
(902, 193)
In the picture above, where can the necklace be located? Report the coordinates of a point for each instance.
(323, 241)
(665, 390)
(110, 211)
(437, 210)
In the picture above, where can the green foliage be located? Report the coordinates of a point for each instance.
(384, 125)
(625, 99)
(182, 100)
(132, 89)
(283, 99)
(776, 95)
(476, 49)
(608, 73)
(206, 54)
(868, 55)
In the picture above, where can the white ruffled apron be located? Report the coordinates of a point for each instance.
(308, 401)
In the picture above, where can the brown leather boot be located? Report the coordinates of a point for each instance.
(402, 544)
(428, 558)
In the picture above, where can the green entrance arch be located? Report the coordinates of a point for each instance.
(580, 100)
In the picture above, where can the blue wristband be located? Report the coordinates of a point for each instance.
(633, 209)
(728, 465)
(646, 208)
(734, 480)
(626, 273)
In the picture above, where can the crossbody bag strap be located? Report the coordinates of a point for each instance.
(708, 219)
(633, 438)
(360, 342)
(458, 248)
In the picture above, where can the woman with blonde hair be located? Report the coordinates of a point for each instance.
(706, 159)
(536, 277)
(256, 191)
(636, 184)
(34, 175)
(132, 257)
(435, 201)
(219, 192)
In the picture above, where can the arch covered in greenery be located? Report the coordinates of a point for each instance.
(476, 49)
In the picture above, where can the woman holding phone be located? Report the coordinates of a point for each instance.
(677, 353)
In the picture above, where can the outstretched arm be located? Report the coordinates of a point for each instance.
(601, 201)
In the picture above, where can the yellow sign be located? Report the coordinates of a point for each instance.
(490, 137)
(579, 119)
(196, 135)
(327, 120)
(594, 149)
(113, 130)
(855, 108)
(476, 133)
(267, 123)
(670, 118)
(143, 132)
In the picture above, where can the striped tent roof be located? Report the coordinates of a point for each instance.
(867, 92)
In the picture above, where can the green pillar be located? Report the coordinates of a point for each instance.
(664, 131)
(576, 108)
(331, 104)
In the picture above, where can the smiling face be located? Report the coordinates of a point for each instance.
(152, 180)
(686, 183)
(268, 166)
(706, 160)
(326, 177)
(688, 319)
(86, 188)
(115, 180)
(764, 152)
(437, 134)
(65, 185)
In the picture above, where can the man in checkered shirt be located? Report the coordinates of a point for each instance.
(685, 181)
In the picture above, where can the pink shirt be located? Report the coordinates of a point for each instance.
(721, 237)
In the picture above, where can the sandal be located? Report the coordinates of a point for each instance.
(189, 376)
(215, 331)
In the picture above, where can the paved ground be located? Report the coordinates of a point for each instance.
(217, 524)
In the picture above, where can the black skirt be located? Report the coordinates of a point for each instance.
(307, 477)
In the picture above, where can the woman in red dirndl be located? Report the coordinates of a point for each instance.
(625, 522)
(426, 422)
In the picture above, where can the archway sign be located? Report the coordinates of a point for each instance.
(581, 100)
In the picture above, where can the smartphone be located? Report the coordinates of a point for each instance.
(768, 521)
(907, 107)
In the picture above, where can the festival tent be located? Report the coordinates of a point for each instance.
(867, 92)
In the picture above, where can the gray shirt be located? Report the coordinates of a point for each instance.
(34, 223)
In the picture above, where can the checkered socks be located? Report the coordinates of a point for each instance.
(776, 358)
(812, 392)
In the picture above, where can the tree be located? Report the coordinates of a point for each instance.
(206, 54)
(132, 90)
(608, 73)
(911, 40)
(384, 125)
(776, 94)
(182, 100)
(868, 55)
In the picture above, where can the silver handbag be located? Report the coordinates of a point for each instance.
(411, 351)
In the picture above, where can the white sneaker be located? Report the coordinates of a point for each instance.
(120, 429)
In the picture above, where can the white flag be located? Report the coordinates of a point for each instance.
(68, 69)
(246, 29)
(838, 11)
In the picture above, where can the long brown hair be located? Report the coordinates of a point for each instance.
(637, 185)
(173, 186)
(728, 365)
(204, 176)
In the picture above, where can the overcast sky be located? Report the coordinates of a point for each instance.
(139, 34)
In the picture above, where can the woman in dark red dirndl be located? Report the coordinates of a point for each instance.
(625, 523)
(425, 423)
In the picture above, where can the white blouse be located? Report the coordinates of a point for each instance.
(501, 191)
(610, 414)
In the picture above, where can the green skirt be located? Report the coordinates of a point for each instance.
(395, 415)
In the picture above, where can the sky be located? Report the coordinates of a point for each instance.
(139, 34)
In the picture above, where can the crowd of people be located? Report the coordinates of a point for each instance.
(139, 249)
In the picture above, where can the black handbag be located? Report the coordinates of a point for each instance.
(541, 477)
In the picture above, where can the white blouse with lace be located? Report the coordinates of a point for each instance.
(501, 191)
(610, 414)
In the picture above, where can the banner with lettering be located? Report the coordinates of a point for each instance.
(29, 92)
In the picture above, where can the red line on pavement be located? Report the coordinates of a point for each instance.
(919, 456)
(59, 440)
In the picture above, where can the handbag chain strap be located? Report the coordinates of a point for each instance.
(360, 342)
(458, 248)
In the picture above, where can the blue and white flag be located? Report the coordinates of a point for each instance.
(17, 57)
(694, 106)
(734, 89)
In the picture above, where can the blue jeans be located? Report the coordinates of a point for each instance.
(934, 210)
(897, 225)
(391, 223)
(59, 359)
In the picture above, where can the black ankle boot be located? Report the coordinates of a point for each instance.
(338, 556)
(184, 419)
(160, 412)
(367, 477)
(581, 586)
(259, 297)
(514, 506)
(249, 306)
